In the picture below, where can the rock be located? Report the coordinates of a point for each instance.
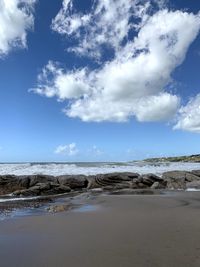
(10, 183)
(73, 181)
(32, 191)
(187, 176)
(150, 178)
(178, 179)
(24, 181)
(39, 178)
(111, 179)
(175, 179)
(42, 189)
(58, 208)
(157, 185)
(196, 172)
(194, 184)
(57, 189)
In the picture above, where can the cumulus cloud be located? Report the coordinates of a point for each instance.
(135, 82)
(16, 18)
(69, 150)
(108, 23)
(189, 116)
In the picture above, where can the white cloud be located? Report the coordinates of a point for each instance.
(69, 150)
(63, 85)
(157, 108)
(108, 23)
(189, 116)
(16, 19)
(134, 83)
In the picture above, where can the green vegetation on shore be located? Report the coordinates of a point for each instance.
(191, 158)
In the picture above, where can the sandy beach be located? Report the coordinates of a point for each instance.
(112, 230)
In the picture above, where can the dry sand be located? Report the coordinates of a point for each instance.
(138, 230)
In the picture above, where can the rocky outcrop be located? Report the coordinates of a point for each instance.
(39, 178)
(196, 172)
(41, 185)
(178, 179)
(10, 183)
(73, 181)
(112, 179)
(41, 189)
(194, 185)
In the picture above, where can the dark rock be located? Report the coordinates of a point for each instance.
(111, 179)
(187, 176)
(39, 178)
(43, 189)
(32, 191)
(196, 172)
(178, 179)
(173, 183)
(10, 183)
(157, 185)
(55, 190)
(150, 178)
(73, 181)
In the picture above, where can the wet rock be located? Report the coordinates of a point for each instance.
(32, 191)
(10, 183)
(42, 189)
(39, 178)
(180, 175)
(111, 179)
(58, 208)
(194, 184)
(150, 178)
(178, 179)
(57, 189)
(157, 185)
(73, 181)
(196, 172)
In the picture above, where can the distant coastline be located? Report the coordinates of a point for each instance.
(190, 158)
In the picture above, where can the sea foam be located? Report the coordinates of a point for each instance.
(93, 168)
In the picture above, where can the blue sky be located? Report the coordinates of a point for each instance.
(97, 81)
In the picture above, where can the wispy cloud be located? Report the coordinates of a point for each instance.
(69, 150)
(16, 18)
(136, 81)
(108, 23)
(95, 151)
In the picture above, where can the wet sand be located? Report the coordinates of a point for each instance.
(112, 231)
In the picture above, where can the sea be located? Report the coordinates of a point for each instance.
(92, 168)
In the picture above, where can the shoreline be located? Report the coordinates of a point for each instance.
(42, 192)
(121, 230)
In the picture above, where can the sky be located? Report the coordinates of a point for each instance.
(99, 80)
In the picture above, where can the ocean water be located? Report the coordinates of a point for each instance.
(91, 168)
